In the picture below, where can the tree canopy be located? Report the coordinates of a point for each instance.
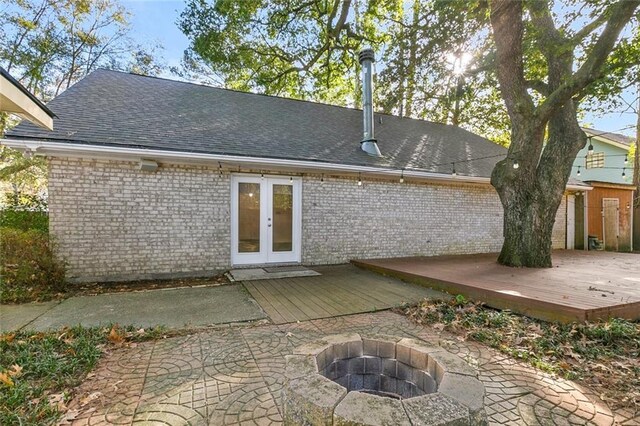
(50, 44)
(435, 58)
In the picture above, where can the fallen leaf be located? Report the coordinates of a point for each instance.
(15, 371)
(115, 336)
(4, 378)
(438, 326)
(68, 417)
(91, 397)
(7, 337)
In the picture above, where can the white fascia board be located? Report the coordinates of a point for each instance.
(135, 154)
(15, 101)
(611, 142)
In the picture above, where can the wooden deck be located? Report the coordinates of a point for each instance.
(339, 290)
(580, 286)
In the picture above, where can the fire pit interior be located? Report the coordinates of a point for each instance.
(376, 371)
(355, 380)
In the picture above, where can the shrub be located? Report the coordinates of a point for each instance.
(24, 212)
(29, 271)
(24, 220)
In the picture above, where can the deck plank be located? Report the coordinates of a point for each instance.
(339, 290)
(564, 292)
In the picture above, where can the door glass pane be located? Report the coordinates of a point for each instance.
(248, 217)
(282, 216)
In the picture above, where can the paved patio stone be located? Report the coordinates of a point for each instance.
(235, 375)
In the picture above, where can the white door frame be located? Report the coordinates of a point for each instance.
(266, 253)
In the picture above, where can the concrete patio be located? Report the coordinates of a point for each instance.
(234, 375)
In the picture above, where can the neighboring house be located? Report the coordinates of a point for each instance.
(16, 99)
(154, 178)
(605, 213)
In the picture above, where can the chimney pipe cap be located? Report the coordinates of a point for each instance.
(366, 54)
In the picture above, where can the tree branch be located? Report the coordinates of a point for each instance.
(539, 86)
(589, 28)
(508, 30)
(590, 69)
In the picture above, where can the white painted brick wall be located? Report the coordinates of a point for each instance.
(113, 221)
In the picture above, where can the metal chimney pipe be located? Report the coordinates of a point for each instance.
(368, 143)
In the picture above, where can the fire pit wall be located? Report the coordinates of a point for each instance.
(349, 379)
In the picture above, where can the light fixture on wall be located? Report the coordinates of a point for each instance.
(148, 165)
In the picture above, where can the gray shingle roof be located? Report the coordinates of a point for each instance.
(119, 109)
(616, 137)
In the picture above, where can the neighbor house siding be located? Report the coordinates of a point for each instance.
(112, 221)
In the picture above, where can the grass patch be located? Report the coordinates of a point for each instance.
(605, 355)
(38, 371)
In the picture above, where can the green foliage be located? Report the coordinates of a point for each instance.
(49, 45)
(47, 365)
(29, 268)
(604, 354)
(24, 212)
(39, 371)
(308, 49)
(20, 174)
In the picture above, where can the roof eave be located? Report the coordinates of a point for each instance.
(16, 99)
(48, 148)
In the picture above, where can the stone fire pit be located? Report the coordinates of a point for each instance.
(380, 380)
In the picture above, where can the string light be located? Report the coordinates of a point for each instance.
(402, 176)
(322, 179)
(359, 180)
(516, 164)
(626, 160)
(624, 175)
(220, 168)
(578, 171)
(261, 175)
(290, 178)
(590, 149)
(453, 170)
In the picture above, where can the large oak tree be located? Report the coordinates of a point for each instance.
(545, 134)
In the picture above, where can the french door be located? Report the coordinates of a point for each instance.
(265, 220)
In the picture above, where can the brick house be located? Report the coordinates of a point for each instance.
(152, 178)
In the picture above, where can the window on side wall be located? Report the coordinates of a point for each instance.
(594, 161)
